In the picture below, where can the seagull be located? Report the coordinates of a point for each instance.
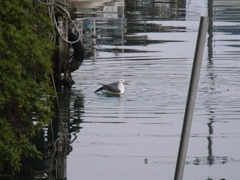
(113, 88)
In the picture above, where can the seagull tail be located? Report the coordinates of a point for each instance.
(100, 89)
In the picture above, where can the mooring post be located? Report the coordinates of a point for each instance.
(191, 99)
(61, 162)
(63, 54)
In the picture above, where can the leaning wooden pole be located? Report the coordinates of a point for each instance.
(191, 99)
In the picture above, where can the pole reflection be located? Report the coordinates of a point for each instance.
(210, 75)
(65, 130)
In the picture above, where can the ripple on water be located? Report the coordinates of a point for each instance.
(155, 56)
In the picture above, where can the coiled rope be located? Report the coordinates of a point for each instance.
(54, 5)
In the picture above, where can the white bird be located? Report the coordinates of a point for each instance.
(113, 88)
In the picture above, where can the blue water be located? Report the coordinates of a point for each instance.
(136, 136)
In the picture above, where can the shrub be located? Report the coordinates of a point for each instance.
(25, 66)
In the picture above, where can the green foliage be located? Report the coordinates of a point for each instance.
(25, 66)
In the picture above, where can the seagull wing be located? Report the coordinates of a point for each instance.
(112, 88)
(100, 89)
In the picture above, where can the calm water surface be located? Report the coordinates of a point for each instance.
(136, 136)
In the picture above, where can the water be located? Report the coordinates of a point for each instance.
(136, 135)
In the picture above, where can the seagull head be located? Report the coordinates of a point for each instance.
(122, 81)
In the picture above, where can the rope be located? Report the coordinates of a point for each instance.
(71, 22)
(47, 3)
(55, 4)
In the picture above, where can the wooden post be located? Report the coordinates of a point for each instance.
(61, 162)
(63, 53)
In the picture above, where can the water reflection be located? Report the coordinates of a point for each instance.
(64, 130)
(218, 11)
(71, 108)
(55, 141)
(212, 81)
(120, 24)
(214, 7)
(152, 46)
(105, 26)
